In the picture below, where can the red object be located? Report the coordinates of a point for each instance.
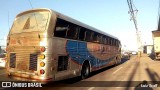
(42, 71)
(42, 49)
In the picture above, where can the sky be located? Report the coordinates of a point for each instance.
(110, 16)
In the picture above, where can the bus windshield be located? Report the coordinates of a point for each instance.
(33, 21)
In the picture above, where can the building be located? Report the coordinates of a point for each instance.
(148, 49)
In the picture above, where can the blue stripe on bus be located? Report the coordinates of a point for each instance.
(78, 52)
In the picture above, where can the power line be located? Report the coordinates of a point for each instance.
(30, 4)
(133, 12)
(34, 13)
(8, 21)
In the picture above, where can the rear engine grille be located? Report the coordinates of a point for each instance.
(12, 60)
(33, 62)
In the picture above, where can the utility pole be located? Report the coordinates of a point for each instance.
(133, 11)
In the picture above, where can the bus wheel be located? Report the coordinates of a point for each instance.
(119, 59)
(85, 70)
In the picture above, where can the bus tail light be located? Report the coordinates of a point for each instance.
(42, 56)
(42, 64)
(6, 55)
(42, 71)
(42, 49)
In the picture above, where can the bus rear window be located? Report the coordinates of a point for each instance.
(33, 21)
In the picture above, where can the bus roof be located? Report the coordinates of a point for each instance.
(62, 16)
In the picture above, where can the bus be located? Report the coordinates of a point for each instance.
(44, 45)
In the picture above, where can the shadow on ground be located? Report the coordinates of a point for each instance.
(152, 56)
(123, 60)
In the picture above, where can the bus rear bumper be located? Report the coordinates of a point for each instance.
(29, 77)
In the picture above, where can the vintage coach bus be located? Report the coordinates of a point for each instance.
(45, 45)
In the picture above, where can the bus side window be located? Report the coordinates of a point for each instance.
(72, 32)
(88, 36)
(92, 35)
(81, 35)
(99, 38)
(106, 40)
(61, 28)
(113, 42)
(117, 43)
(103, 40)
(110, 41)
(95, 35)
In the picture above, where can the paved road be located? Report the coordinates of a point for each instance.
(139, 70)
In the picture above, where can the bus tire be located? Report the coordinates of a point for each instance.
(85, 70)
(119, 59)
